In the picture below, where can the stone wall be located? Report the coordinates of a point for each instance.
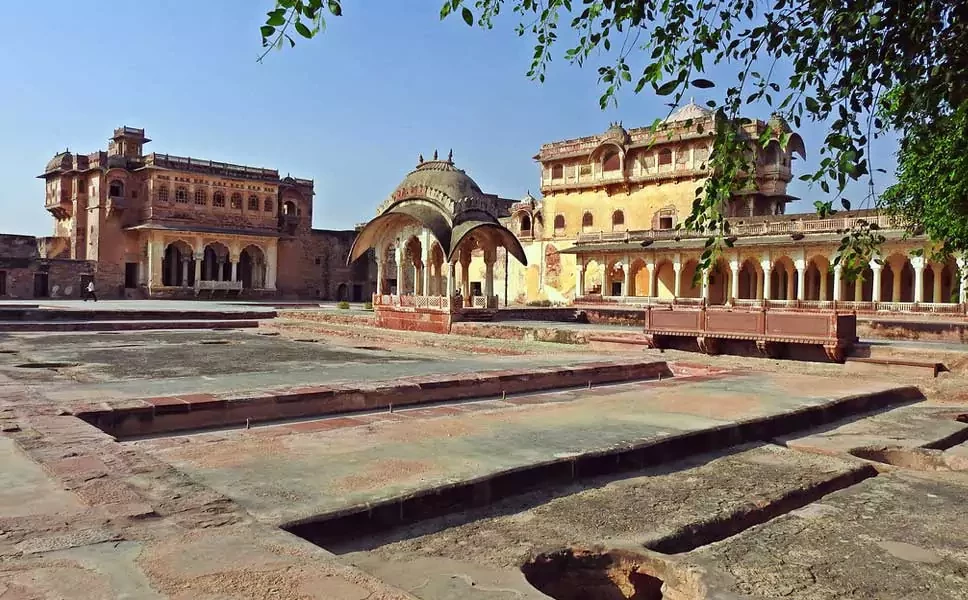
(413, 319)
(20, 262)
(313, 265)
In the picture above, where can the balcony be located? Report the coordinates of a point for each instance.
(787, 227)
(289, 223)
(59, 206)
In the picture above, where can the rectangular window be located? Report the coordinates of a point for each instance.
(557, 171)
(3, 283)
(665, 222)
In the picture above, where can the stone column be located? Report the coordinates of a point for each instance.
(823, 284)
(271, 267)
(379, 277)
(465, 278)
(837, 287)
(398, 256)
(627, 283)
(417, 291)
(767, 267)
(801, 266)
(199, 257)
(155, 256)
(488, 279)
(896, 274)
(235, 268)
(650, 268)
(425, 285)
(219, 268)
(580, 288)
(450, 280)
(858, 290)
(962, 282)
(185, 271)
(789, 283)
(604, 276)
(677, 269)
(937, 272)
(918, 263)
(734, 278)
(705, 285)
(759, 285)
(876, 281)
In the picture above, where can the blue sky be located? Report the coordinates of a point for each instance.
(351, 109)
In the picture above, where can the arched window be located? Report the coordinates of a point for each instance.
(236, 201)
(116, 189)
(253, 203)
(218, 199)
(181, 195)
(200, 196)
(289, 208)
(525, 224)
(611, 162)
(618, 219)
(587, 221)
(163, 194)
(665, 157)
(269, 205)
(557, 171)
(559, 222)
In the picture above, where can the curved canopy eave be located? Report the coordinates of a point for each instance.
(426, 214)
(796, 146)
(507, 239)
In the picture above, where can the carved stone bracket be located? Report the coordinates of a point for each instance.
(769, 349)
(835, 352)
(708, 345)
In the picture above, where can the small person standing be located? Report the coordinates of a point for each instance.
(89, 291)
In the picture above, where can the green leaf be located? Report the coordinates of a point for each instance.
(335, 8)
(812, 104)
(702, 83)
(267, 31)
(303, 30)
(667, 88)
(276, 18)
(467, 15)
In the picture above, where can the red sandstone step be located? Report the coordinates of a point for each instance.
(895, 365)
(62, 326)
(633, 339)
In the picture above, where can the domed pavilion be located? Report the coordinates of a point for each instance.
(424, 237)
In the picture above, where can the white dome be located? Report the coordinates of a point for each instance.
(689, 111)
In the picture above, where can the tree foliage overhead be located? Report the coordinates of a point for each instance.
(857, 68)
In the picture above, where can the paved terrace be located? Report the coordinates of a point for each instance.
(196, 516)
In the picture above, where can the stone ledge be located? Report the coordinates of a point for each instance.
(186, 412)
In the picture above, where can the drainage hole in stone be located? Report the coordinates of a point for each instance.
(45, 365)
(373, 348)
(268, 333)
(307, 340)
(214, 342)
(919, 459)
(581, 575)
(9, 352)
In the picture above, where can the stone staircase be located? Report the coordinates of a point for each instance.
(54, 319)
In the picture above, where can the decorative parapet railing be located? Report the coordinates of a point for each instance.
(410, 301)
(218, 286)
(171, 161)
(746, 229)
(484, 302)
(860, 307)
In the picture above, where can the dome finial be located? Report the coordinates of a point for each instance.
(435, 154)
(420, 159)
(450, 156)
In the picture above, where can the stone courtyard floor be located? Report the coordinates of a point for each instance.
(713, 477)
